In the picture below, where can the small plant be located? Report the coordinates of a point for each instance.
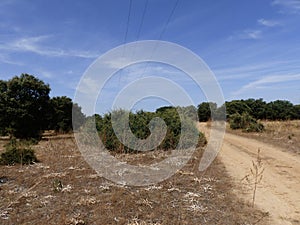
(255, 176)
(17, 152)
(57, 185)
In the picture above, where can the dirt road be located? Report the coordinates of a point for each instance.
(279, 191)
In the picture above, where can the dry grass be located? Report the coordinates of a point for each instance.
(189, 197)
(285, 134)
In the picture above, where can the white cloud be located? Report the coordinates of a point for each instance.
(290, 5)
(266, 81)
(268, 23)
(118, 63)
(89, 86)
(34, 45)
(247, 34)
(252, 34)
(266, 67)
(4, 59)
(46, 74)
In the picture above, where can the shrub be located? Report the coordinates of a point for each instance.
(17, 152)
(245, 122)
(139, 124)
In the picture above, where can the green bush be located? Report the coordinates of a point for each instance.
(139, 124)
(245, 122)
(17, 152)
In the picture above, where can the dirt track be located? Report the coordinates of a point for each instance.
(279, 191)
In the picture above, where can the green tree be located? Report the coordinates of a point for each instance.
(280, 110)
(297, 112)
(205, 110)
(257, 108)
(25, 100)
(237, 106)
(60, 114)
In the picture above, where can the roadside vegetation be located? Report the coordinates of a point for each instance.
(248, 115)
(27, 111)
(141, 123)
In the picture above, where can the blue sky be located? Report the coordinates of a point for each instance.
(253, 47)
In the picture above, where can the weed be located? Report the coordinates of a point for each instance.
(255, 176)
(57, 185)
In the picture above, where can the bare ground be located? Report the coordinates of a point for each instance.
(279, 191)
(30, 195)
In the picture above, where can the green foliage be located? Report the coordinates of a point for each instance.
(60, 115)
(237, 106)
(3, 105)
(209, 111)
(205, 110)
(190, 112)
(23, 103)
(256, 108)
(26, 109)
(280, 110)
(245, 122)
(18, 152)
(259, 109)
(140, 124)
(296, 112)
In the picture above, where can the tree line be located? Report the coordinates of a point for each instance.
(256, 108)
(26, 109)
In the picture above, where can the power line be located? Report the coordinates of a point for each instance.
(162, 32)
(126, 34)
(142, 21)
(128, 18)
(168, 21)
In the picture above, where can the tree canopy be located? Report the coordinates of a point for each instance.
(25, 100)
(60, 114)
(26, 109)
(256, 108)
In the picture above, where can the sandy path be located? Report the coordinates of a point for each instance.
(279, 191)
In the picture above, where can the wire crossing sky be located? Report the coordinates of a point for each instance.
(253, 47)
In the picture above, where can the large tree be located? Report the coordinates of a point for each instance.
(205, 111)
(24, 103)
(60, 115)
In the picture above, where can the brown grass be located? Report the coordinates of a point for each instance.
(189, 197)
(285, 134)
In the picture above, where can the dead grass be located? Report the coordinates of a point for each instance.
(285, 134)
(189, 197)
